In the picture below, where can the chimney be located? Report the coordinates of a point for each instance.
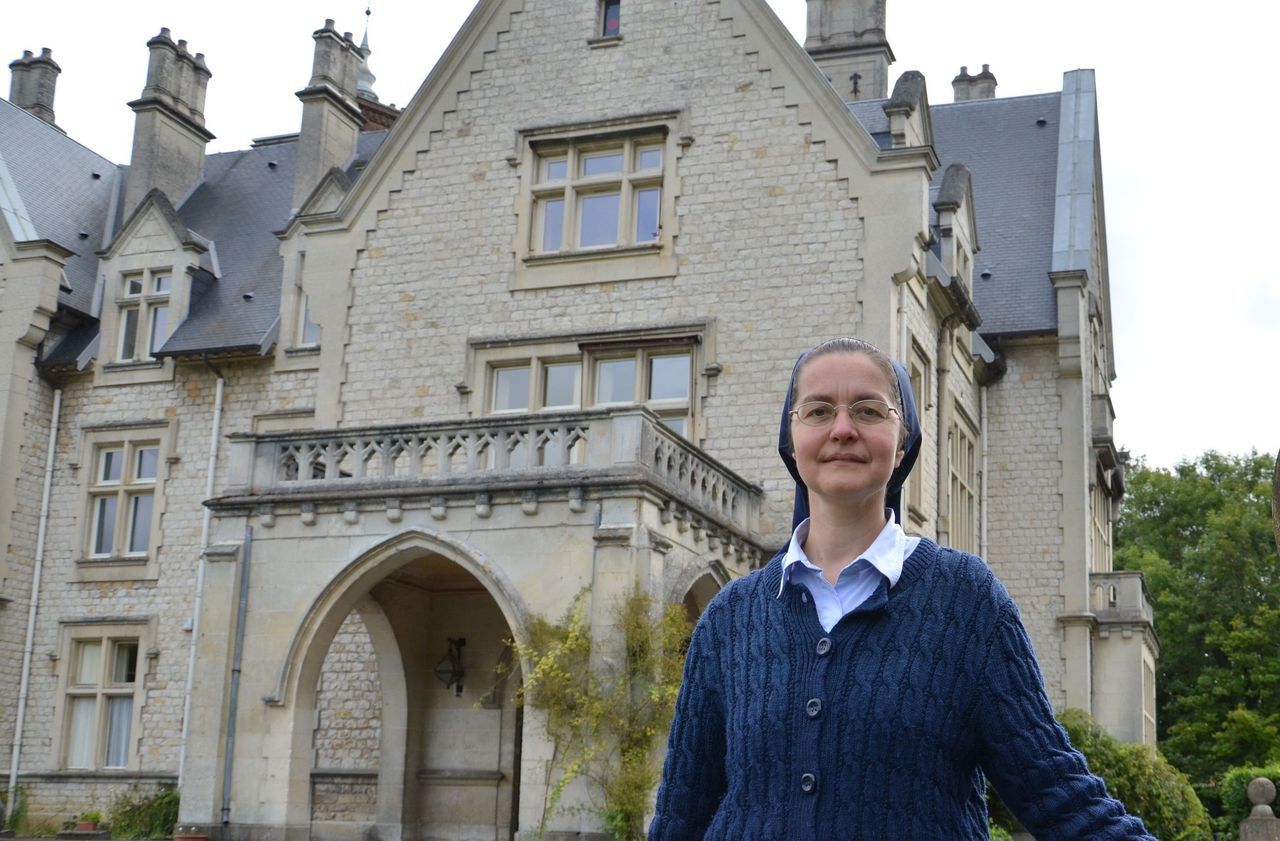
(846, 39)
(33, 81)
(981, 86)
(169, 136)
(331, 117)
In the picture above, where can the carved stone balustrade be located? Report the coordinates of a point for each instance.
(527, 453)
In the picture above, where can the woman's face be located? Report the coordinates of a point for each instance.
(845, 463)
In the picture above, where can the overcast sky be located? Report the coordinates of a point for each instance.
(1187, 144)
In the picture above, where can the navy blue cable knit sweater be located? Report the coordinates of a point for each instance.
(879, 730)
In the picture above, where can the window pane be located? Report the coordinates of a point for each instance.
(88, 663)
(159, 328)
(612, 21)
(599, 220)
(119, 719)
(83, 712)
(124, 662)
(554, 169)
(109, 470)
(649, 157)
(104, 526)
(162, 283)
(669, 377)
(139, 523)
(133, 285)
(148, 458)
(561, 385)
(647, 203)
(308, 330)
(676, 425)
(128, 332)
(616, 380)
(552, 223)
(510, 389)
(602, 163)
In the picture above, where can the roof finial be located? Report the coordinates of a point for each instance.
(365, 77)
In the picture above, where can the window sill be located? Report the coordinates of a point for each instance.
(298, 358)
(604, 265)
(604, 41)
(302, 350)
(127, 373)
(116, 568)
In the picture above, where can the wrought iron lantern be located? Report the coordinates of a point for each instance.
(450, 670)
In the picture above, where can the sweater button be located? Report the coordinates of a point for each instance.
(813, 707)
(808, 782)
(824, 645)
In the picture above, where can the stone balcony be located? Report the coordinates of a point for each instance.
(1121, 604)
(516, 458)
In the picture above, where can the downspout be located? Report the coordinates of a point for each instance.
(24, 686)
(904, 350)
(982, 507)
(200, 571)
(242, 610)
(943, 517)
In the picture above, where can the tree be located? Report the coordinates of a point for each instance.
(1203, 536)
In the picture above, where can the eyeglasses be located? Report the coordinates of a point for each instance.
(862, 413)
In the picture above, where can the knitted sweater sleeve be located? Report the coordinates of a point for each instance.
(1027, 756)
(693, 778)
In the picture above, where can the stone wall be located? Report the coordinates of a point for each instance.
(1023, 499)
(348, 702)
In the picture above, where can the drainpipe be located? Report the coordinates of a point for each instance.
(945, 333)
(904, 350)
(24, 686)
(982, 505)
(242, 610)
(204, 544)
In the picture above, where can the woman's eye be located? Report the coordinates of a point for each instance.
(817, 412)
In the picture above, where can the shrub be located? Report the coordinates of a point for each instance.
(1141, 778)
(1232, 790)
(999, 833)
(136, 815)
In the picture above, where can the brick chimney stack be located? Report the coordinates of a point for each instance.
(169, 136)
(846, 39)
(331, 117)
(32, 84)
(981, 86)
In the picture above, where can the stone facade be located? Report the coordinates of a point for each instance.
(382, 512)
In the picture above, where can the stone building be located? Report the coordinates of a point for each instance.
(279, 427)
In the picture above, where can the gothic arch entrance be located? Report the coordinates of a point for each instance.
(404, 694)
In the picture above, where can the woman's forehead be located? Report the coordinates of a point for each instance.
(843, 373)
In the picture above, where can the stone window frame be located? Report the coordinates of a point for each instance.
(918, 371)
(963, 444)
(489, 356)
(147, 301)
(108, 631)
(625, 260)
(127, 437)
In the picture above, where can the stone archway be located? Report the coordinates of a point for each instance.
(447, 757)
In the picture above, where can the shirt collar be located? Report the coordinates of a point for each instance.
(887, 553)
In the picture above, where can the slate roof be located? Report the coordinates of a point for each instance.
(48, 191)
(1014, 163)
(241, 203)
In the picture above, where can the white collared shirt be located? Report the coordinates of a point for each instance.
(882, 560)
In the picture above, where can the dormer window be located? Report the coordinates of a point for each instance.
(610, 18)
(144, 314)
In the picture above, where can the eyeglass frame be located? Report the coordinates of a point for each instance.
(835, 407)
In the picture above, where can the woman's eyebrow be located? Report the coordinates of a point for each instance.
(827, 398)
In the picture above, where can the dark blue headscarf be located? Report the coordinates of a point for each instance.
(911, 449)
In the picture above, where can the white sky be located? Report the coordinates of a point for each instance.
(1187, 132)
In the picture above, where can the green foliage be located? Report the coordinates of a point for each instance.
(15, 814)
(998, 833)
(1142, 779)
(90, 816)
(1232, 791)
(606, 721)
(1202, 534)
(137, 815)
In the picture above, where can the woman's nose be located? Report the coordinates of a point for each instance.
(843, 426)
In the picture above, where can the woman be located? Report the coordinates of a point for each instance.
(861, 684)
